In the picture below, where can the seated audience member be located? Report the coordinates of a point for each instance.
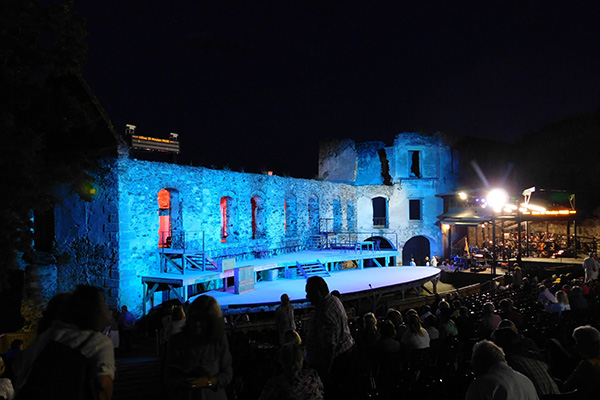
(415, 337)
(525, 361)
(7, 391)
(292, 336)
(562, 303)
(576, 299)
(545, 296)
(508, 311)
(425, 312)
(369, 333)
(527, 342)
(52, 365)
(295, 382)
(443, 305)
(467, 327)
(431, 326)
(387, 343)
(494, 378)
(396, 317)
(198, 362)
(586, 377)
(489, 320)
(517, 277)
(446, 326)
(456, 305)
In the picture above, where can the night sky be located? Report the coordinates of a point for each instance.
(255, 85)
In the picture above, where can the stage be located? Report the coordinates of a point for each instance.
(381, 278)
(351, 284)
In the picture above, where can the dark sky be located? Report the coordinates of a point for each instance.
(255, 85)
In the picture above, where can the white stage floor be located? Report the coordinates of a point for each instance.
(346, 282)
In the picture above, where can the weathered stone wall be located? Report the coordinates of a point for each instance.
(200, 191)
(338, 160)
(87, 235)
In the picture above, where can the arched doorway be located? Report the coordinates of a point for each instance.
(382, 243)
(417, 247)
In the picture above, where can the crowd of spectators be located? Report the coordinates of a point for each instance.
(526, 340)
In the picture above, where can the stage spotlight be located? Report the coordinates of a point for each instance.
(497, 198)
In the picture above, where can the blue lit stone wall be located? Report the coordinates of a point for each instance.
(113, 240)
(200, 191)
(87, 235)
(381, 171)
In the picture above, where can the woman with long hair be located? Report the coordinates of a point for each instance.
(198, 361)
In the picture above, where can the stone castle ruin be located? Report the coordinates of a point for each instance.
(141, 212)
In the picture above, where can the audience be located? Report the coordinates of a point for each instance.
(525, 361)
(198, 363)
(494, 378)
(489, 320)
(586, 377)
(294, 382)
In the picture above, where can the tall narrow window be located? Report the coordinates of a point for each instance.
(164, 218)
(257, 217)
(313, 215)
(337, 215)
(290, 216)
(350, 224)
(380, 217)
(414, 210)
(226, 217)
(415, 167)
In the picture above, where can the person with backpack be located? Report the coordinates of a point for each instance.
(72, 359)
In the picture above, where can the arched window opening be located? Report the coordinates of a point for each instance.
(226, 217)
(290, 216)
(415, 164)
(337, 215)
(350, 220)
(313, 215)
(258, 222)
(164, 219)
(380, 212)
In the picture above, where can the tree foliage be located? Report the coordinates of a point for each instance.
(44, 124)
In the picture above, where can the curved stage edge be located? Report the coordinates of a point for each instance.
(351, 284)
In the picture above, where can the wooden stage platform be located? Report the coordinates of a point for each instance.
(272, 271)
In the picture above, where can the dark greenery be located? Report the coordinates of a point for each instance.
(47, 116)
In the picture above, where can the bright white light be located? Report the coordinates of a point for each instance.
(497, 198)
(533, 207)
(462, 195)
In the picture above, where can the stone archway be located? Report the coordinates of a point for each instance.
(417, 247)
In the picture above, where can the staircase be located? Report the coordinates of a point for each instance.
(191, 261)
(316, 242)
(200, 262)
(312, 269)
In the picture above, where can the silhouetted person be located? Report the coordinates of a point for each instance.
(494, 378)
(586, 377)
(284, 317)
(126, 326)
(72, 357)
(294, 382)
(198, 362)
(330, 347)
